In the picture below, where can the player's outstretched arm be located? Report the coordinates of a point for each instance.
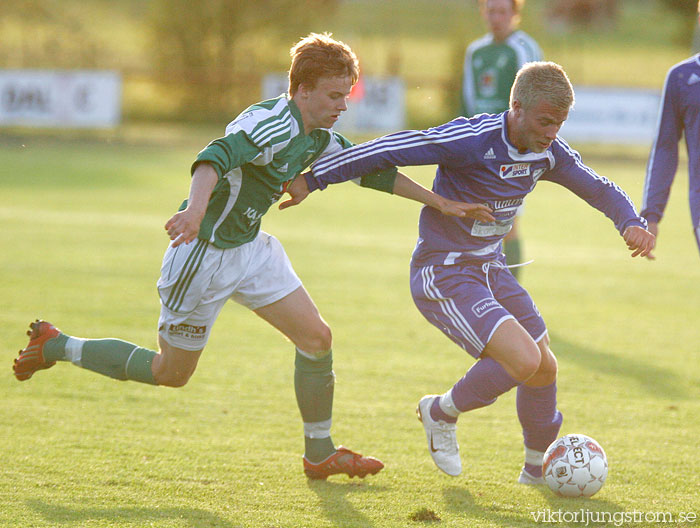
(640, 241)
(183, 227)
(407, 188)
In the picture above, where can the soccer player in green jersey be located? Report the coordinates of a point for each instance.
(218, 252)
(490, 66)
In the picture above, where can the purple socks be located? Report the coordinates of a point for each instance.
(540, 419)
(479, 387)
(536, 406)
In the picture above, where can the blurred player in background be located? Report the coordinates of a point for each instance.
(218, 252)
(679, 115)
(695, 47)
(459, 278)
(490, 66)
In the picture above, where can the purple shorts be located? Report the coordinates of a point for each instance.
(460, 301)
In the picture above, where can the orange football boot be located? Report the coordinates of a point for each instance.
(31, 358)
(343, 461)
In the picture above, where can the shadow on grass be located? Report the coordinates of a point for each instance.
(651, 378)
(333, 499)
(561, 511)
(136, 516)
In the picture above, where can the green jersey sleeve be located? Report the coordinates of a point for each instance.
(253, 137)
(226, 153)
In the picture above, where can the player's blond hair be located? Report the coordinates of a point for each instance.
(517, 5)
(318, 55)
(542, 80)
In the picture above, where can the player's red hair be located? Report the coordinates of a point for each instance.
(319, 55)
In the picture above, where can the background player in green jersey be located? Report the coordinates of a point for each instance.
(490, 66)
(219, 253)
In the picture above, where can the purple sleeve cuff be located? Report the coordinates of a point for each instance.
(638, 222)
(652, 217)
(312, 183)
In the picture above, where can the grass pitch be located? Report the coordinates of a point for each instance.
(82, 241)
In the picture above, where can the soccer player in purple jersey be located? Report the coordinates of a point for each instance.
(490, 65)
(459, 279)
(680, 113)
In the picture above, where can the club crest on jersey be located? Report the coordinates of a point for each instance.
(487, 83)
(514, 170)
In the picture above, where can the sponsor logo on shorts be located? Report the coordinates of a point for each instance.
(187, 331)
(484, 306)
(514, 170)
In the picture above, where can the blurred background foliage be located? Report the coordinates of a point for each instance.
(204, 61)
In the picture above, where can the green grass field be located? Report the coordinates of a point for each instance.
(82, 240)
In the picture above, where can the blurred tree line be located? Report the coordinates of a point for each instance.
(211, 54)
(197, 61)
(204, 57)
(687, 13)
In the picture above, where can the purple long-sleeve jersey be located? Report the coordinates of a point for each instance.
(476, 164)
(680, 112)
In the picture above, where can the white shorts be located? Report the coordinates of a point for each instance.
(197, 279)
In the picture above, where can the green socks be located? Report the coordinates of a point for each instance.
(111, 357)
(55, 349)
(314, 381)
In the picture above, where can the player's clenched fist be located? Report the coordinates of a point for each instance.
(640, 241)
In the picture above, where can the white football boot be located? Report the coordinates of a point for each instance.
(529, 480)
(442, 438)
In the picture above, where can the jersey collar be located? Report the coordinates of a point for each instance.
(513, 152)
(296, 113)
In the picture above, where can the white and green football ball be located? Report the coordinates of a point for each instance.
(575, 466)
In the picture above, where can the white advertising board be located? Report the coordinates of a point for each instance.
(377, 104)
(67, 99)
(612, 115)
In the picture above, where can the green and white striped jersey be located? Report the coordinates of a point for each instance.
(489, 71)
(264, 147)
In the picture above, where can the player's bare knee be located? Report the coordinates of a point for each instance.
(548, 370)
(169, 373)
(527, 368)
(526, 363)
(173, 379)
(548, 366)
(319, 342)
